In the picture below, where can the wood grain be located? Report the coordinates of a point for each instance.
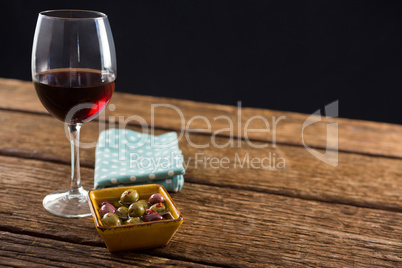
(354, 135)
(223, 227)
(360, 180)
(242, 214)
(19, 250)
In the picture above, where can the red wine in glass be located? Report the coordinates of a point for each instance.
(74, 71)
(61, 90)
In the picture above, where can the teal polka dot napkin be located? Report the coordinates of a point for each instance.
(126, 157)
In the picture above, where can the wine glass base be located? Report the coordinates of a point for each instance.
(62, 203)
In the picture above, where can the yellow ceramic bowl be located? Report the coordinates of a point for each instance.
(140, 235)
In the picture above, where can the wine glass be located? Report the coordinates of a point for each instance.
(74, 72)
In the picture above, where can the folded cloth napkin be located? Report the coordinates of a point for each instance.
(125, 157)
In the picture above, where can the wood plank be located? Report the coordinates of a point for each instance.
(18, 250)
(224, 227)
(358, 179)
(354, 135)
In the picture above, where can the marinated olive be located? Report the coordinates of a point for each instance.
(133, 220)
(117, 204)
(156, 198)
(144, 203)
(111, 219)
(152, 217)
(129, 196)
(122, 213)
(104, 202)
(115, 213)
(149, 211)
(159, 208)
(136, 210)
(107, 207)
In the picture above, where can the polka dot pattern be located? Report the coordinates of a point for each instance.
(126, 157)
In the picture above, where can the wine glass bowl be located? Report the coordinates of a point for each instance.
(74, 95)
(74, 73)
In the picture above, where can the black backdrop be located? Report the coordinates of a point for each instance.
(282, 55)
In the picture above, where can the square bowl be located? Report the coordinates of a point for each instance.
(139, 235)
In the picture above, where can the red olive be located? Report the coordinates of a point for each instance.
(104, 202)
(152, 217)
(156, 198)
(107, 207)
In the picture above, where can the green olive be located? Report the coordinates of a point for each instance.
(117, 204)
(144, 203)
(159, 207)
(122, 213)
(129, 196)
(111, 219)
(136, 210)
(132, 220)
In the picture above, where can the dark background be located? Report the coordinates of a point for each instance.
(282, 55)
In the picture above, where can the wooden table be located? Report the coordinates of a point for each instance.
(242, 214)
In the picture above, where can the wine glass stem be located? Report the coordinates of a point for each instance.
(75, 185)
